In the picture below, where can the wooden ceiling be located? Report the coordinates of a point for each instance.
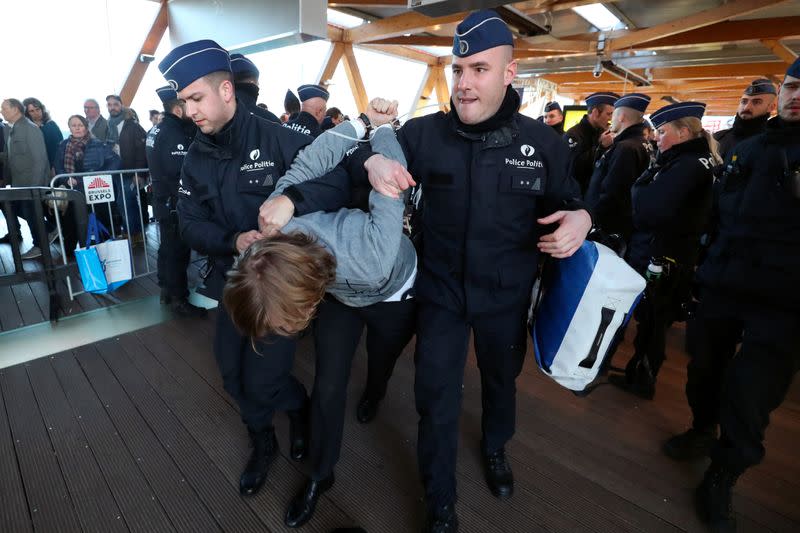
(706, 50)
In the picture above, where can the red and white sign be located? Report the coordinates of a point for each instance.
(98, 189)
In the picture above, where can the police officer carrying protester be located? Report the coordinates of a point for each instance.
(492, 180)
(609, 193)
(313, 104)
(230, 169)
(590, 137)
(165, 147)
(750, 293)
(758, 102)
(245, 81)
(671, 204)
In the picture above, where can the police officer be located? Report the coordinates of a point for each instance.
(488, 174)
(165, 147)
(314, 103)
(589, 138)
(671, 204)
(230, 169)
(757, 103)
(245, 81)
(554, 117)
(609, 192)
(291, 105)
(750, 287)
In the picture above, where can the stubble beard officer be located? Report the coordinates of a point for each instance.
(487, 172)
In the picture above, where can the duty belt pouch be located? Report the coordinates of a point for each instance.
(589, 297)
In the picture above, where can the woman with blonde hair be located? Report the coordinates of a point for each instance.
(671, 204)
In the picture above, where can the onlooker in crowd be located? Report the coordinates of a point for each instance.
(26, 165)
(35, 110)
(81, 152)
(155, 117)
(115, 117)
(333, 117)
(98, 125)
(132, 138)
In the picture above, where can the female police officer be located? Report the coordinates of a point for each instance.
(671, 202)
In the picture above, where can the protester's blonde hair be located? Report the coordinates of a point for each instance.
(695, 127)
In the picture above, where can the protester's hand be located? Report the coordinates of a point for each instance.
(606, 138)
(274, 214)
(245, 239)
(387, 176)
(573, 226)
(381, 111)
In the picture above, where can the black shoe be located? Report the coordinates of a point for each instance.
(713, 499)
(498, 474)
(298, 432)
(691, 445)
(367, 409)
(184, 309)
(443, 520)
(638, 387)
(302, 506)
(265, 449)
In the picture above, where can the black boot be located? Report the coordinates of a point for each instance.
(265, 449)
(302, 506)
(690, 445)
(298, 431)
(184, 309)
(713, 499)
(498, 474)
(442, 520)
(367, 409)
(637, 380)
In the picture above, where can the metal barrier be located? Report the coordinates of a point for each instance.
(100, 192)
(50, 273)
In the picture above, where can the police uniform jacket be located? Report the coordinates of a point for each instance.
(584, 143)
(225, 179)
(247, 93)
(609, 193)
(305, 123)
(741, 130)
(483, 193)
(671, 204)
(166, 146)
(756, 254)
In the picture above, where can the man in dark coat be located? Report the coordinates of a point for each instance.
(758, 102)
(589, 138)
(314, 103)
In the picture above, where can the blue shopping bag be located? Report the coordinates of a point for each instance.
(94, 269)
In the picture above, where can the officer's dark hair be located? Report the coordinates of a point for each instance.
(116, 97)
(215, 79)
(169, 105)
(154, 112)
(13, 102)
(277, 284)
(37, 104)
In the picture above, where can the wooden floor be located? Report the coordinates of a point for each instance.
(28, 303)
(135, 433)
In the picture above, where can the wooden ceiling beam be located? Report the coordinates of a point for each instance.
(396, 26)
(335, 54)
(403, 51)
(354, 78)
(782, 51)
(149, 47)
(701, 19)
(729, 70)
(535, 7)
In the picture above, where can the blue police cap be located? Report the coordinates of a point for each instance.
(241, 66)
(306, 92)
(601, 98)
(760, 86)
(290, 100)
(480, 31)
(637, 101)
(192, 61)
(672, 112)
(794, 69)
(166, 94)
(551, 106)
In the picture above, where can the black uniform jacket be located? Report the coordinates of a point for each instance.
(671, 204)
(226, 178)
(247, 93)
(482, 195)
(166, 146)
(756, 253)
(609, 193)
(584, 143)
(305, 123)
(741, 130)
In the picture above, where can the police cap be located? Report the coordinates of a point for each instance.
(191, 61)
(607, 98)
(672, 112)
(306, 92)
(241, 66)
(637, 101)
(760, 86)
(480, 31)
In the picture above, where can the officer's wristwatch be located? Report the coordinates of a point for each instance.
(367, 124)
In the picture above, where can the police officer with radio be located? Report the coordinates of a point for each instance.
(589, 138)
(750, 293)
(671, 204)
(245, 81)
(609, 193)
(230, 169)
(757, 103)
(165, 147)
